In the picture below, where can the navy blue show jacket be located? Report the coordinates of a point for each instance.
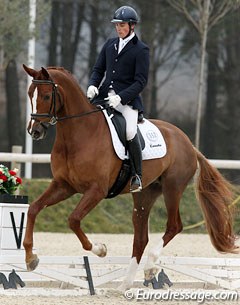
(126, 72)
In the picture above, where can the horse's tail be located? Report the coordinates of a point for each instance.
(215, 196)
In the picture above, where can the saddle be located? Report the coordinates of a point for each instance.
(152, 143)
(119, 123)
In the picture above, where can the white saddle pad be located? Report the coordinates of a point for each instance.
(155, 146)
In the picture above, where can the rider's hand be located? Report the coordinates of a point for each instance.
(92, 92)
(113, 100)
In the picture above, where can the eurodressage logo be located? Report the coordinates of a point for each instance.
(151, 135)
(170, 295)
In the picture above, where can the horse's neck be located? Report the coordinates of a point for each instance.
(81, 126)
(74, 107)
(74, 100)
(76, 103)
(77, 133)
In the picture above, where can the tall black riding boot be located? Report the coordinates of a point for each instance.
(135, 153)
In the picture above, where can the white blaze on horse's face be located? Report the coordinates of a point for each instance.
(39, 129)
(34, 100)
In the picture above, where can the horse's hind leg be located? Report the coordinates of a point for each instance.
(55, 193)
(143, 203)
(172, 192)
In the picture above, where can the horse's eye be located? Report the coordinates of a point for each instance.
(46, 97)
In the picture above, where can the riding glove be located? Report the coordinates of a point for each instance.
(113, 100)
(92, 92)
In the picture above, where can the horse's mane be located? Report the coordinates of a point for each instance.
(68, 74)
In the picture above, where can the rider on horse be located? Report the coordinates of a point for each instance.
(123, 63)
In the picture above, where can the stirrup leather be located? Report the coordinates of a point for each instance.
(135, 184)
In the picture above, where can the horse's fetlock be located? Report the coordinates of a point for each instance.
(87, 247)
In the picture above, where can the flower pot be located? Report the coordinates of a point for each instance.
(13, 218)
(7, 198)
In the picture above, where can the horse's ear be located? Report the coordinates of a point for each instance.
(45, 73)
(30, 71)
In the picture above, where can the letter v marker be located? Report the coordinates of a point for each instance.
(17, 238)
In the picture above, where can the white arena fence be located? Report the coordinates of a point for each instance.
(46, 158)
(90, 272)
(17, 158)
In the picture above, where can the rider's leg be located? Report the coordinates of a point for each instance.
(134, 147)
(135, 152)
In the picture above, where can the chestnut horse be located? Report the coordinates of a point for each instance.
(83, 161)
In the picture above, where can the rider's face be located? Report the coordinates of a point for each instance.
(122, 29)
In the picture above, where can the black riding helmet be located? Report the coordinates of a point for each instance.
(125, 14)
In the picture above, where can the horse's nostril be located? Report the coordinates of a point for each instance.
(35, 135)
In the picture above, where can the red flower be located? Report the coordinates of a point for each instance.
(12, 173)
(3, 177)
(19, 180)
(0, 172)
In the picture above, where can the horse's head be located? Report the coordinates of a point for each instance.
(48, 102)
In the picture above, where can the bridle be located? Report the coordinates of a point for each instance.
(52, 113)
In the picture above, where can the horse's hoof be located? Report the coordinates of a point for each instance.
(32, 265)
(103, 251)
(149, 274)
(99, 249)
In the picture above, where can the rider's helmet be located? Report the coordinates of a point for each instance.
(125, 14)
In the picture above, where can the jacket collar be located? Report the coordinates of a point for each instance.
(128, 46)
(126, 40)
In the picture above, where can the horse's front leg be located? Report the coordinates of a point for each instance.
(142, 205)
(55, 193)
(89, 200)
(140, 222)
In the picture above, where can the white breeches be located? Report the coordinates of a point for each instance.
(131, 117)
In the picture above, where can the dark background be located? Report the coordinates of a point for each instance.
(71, 33)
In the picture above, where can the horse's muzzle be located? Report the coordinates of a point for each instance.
(39, 131)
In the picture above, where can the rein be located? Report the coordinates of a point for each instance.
(79, 115)
(53, 117)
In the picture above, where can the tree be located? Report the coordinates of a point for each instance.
(203, 15)
(230, 82)
(13, 40)
(54, 28)
(13, 28)
(93, 24)
(66, 22)
(161, 36)
(209, 138)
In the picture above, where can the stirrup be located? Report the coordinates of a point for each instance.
(135, 184)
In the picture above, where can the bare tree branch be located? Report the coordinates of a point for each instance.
(180, 6)
(203, 14)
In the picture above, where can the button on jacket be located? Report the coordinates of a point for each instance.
(126, 72)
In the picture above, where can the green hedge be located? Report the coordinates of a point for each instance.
(112, 215)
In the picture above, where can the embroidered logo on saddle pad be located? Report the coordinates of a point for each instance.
(155, 146)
